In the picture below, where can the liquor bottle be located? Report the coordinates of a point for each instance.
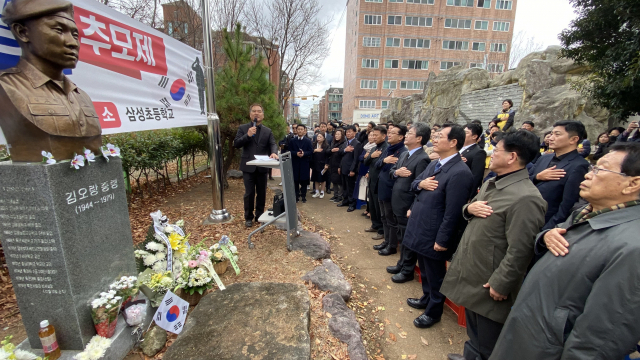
(49, 342)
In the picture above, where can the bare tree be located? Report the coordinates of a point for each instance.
(521, 46)
(299, 36)
(146, 11)
(226, 13)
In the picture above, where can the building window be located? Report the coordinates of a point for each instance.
(367, 104)
(428, 2)
(335, 97)
(170, 31)
(368, 84)
(385, 103)
(410, 85)
(373, 19)
(481, 25)
(396, 1)
(476, 65)
(500, 26)
(391, 64)
(455, 45)
(370, 63)
(445, 65)
(478, 46)
(417, 43)
(376, 1)
(415, 64)
(186, 28)
(504, 4)
(370, 41)
(394, 20)
(499, 47)
(468, 3)
(390, 84)
(457, 24)
(393, 42)
(335, 116)
(418, 21)
(486, 4)
(495, 68)
(335, 106)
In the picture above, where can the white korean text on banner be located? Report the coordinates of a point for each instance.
(138, 78)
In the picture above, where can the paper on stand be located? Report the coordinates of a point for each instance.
(262, 158)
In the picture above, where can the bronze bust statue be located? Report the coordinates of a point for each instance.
(41, 108)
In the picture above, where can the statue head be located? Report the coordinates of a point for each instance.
(46, 32)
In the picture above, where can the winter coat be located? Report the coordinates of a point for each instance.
(334, 161)
(301, 165)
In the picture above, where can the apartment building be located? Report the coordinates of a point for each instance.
(331, 105)
(392, 45)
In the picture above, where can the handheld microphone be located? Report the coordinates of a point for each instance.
(255, 124)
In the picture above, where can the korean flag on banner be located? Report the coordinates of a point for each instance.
(172, 313)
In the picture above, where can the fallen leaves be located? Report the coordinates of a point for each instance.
(392, 337)
(424, 341)
(329, 315)
(403, 334)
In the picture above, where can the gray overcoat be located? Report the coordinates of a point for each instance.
(585, 305)
(497, 249)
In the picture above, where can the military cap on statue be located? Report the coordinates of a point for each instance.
(17, 10)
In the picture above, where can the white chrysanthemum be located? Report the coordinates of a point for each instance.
(158, 267)
(24, 355)
(154, 246)
(235, 258)
(215, 246)
(161, 256)
(233, 249)
(180, 223)
(82, 356)
(103, 342)
(149, 260)
(168, 229)
(158, 237)
(96, 353)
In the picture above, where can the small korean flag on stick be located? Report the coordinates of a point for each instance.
(172, 313)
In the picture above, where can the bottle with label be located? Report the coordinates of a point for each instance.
(49, 342)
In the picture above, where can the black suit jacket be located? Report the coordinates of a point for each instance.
(436, 214)
(476, 161)
(265, 145)
(402, 195)
(560, 194)
(374, 172)
(349, 160)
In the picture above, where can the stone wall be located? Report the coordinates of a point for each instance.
(540, 88)
(484, 104)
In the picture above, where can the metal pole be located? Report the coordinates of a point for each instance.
(219, 214)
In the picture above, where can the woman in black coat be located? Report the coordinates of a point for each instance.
(319, 163)
(604, 142)
(334, 163)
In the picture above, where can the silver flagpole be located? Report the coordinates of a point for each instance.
(219, 214)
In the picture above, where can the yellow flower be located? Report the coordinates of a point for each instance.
(177, 243)
(218, 255)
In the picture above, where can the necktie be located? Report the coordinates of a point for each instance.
(438, 166)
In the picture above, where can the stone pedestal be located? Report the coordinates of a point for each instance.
(66, 236)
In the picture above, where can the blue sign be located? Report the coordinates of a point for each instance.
(295, 104)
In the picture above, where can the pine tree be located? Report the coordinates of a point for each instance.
(241, 82)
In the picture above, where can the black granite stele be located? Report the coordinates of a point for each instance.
(66, 236)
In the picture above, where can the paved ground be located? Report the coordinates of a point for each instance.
(354, 248)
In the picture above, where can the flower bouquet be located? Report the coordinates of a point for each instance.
(126, 287)
(9, 351)
(95, 350)
(197, 274)
(104, 312)
(155, 285)
(164, 245)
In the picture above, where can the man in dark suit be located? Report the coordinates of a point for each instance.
(301, 150)
(380, 133)
(409, 165)
(443, 189)
(396, 148)
(473, 155)
(558, 175)
(254, 139)
(349, 167)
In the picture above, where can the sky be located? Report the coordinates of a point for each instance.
(542, 19)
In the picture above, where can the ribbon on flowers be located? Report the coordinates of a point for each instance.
(229, 254)
(160, 233)
(213, 273)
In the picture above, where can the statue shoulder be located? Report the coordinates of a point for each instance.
(10, 72)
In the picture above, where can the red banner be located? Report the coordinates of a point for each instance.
(118, 47)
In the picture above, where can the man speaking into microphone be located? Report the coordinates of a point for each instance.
(254, 139)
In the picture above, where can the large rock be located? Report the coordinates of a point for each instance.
(312, 244)
(328, 277)
(344, 326)
(234, 174)
(154, 341)
(247, 321)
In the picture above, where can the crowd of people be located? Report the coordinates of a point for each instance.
(542, 245)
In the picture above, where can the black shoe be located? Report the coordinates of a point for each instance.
(370, 229)
(416, 303)
(378, 237)
(328, 191)
(351, 208)
(400, 278)
(332, 198)
(388, 251)
(304, 200)
(364, 214)
(248, 223)
(394, 269)
(297, 200)
(455, 357)
(380, 246)
(342, 204)
(270, 178)
(423, 321)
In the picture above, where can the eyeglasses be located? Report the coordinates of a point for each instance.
(595, 170)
